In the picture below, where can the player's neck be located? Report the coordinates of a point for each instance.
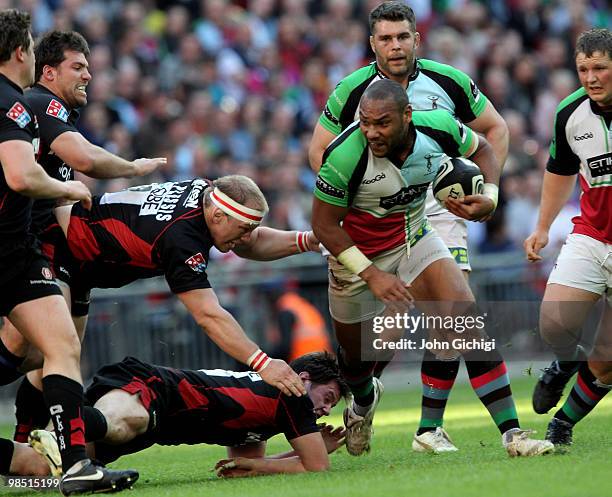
(14, 75)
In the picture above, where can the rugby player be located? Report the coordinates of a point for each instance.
(582, 275)
(430, 85)
(29, 295)
(368, 211)
(62, 76)
(137, 405)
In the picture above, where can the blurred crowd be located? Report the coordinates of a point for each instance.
(221, 86)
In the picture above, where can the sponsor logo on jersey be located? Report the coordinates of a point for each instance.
(65, 172)
(585, 136)
(462, 132)
(434, 101)
(57, 110)
(475, 91)
(404, 196)
(18, 114)
(328, 189)
(197, 263)
(428, 158)
(162, 200)
(193, 199)
(47, 274)
(252, 438)
(378, 177)
(600, 165)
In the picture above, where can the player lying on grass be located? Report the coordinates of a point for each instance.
(137, 405)
(162, 229)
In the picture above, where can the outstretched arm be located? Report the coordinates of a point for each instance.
(225, 331)
(76, 151)
(268, 244)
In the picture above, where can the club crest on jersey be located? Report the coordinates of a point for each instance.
(197, 262)
(47, 274)
(18, 114)
(56, 109)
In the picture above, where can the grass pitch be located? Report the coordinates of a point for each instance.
(480, 468)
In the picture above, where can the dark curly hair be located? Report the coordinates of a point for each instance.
(322, 368)
(14, 32)
(50, 48)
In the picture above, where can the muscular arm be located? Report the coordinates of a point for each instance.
(495, 130)
(484, 156)
(268, 244)
(76, 151)
(218, 324)
(326, 220)
(24, 175)
(321, 138)
(556, 191)
(225, 331)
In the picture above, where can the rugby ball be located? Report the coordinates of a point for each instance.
(457, 178)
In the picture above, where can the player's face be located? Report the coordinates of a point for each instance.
(595, 73)
(71, 79)
(324, 396)
(394, 44)
(383, 125)
(227, 232)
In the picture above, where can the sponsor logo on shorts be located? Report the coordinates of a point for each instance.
(18, 114)
(197, 263)
(404, 196)
(57, 110)
(585, 136)
(600, 165)
(47, 274)
(328, 189)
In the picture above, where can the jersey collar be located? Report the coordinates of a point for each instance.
(414, 75)
(598, 110)
(43, 89)
(12, 83)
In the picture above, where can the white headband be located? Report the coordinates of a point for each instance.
(235, 209)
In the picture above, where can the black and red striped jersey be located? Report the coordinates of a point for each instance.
(212, 406)
(55, 117)
(146, 231)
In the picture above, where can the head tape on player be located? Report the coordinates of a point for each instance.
(236, 209)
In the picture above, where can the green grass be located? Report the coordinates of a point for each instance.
(481, 467)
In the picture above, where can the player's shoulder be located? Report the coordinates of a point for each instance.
(346, 149)
(9, 94)
(45, 103)
(359, 76)
(569, 103)
(428, 66)
(435, 118)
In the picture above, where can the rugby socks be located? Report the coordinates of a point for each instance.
(95, 424)
(358, 377)
(437, 377)
(30, 411)
(64, 398)
(585, 395)
(9, 364)
(489, 378)
(6, 455)
(379, 368)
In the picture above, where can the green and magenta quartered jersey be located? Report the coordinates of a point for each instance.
(386, 201)
(432, 86)
(582, 144)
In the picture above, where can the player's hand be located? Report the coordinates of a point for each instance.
(388, 288)
(534, 243)
(280, 375)
(334, 438)
(142, 167)
(237, 467)
(75, 190)
(471, 207)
